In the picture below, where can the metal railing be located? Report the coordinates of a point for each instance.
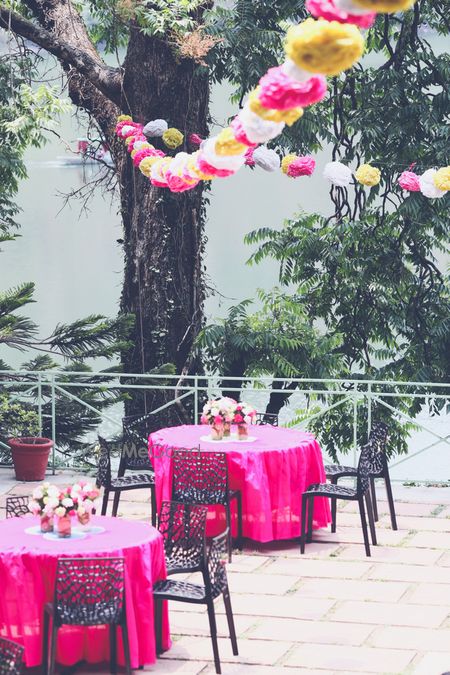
(43, 389)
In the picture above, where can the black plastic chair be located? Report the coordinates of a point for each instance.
(11, 657)
(379, 436)
(121, 483)
(17, 506)
(266, 418)
(88, 592)
(183, 529)
(360, 493)
(201, 477)
(215, 583)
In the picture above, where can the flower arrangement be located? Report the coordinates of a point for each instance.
(218, 411)
(243, 413)
(74, 500)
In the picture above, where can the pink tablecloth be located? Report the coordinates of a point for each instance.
(271, 472)
(27, 580)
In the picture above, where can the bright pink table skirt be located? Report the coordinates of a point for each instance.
(271, 473)
(27, 581)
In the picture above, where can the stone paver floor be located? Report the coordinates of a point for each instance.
(330, 611)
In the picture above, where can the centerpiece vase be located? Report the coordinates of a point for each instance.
(226, 429)
(217, 431)
(46, 523)
(64, 526)
(84, 519)
(242, 432)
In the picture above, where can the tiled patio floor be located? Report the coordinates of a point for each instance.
(330, 611)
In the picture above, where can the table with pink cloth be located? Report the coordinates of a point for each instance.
(27, 581)
(271, 472)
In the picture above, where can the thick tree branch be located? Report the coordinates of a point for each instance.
(103, 77)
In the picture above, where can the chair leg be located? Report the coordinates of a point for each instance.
(387, 482)
(45, 643)
(213, 629)
(157, 608)
(53, 641)
(126, 647)
(116, 502)
(230, 540)
(113, 648)
(105, 502)
(310, 519)
(333, 481)
(230, 620)
(303, 527)
(374, 498)
(371, 517)
(153, 501)
(240, 541)
(364, 524)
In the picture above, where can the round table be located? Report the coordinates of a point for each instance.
(27, 581)
(271, 472)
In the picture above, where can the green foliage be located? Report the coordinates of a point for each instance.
(16, 419)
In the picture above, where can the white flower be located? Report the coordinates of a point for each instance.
(67, 502)
(53, 491)
(337, 173)
(38, 492)
(155, 128)
(48, 510)
(256, 129)
(266, 159)
(76, 488)
(34, 507)
(88, 488)
(427, 186)
(52, 503)
(60, 511)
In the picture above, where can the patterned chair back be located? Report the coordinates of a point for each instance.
(215, 575)
(136, 430)
(11, 657)
(199, 477)
(370, 463)
(266, 418)
(89, 591)
(17, 506)
(104, 464)
(379, 435)
(183, 529)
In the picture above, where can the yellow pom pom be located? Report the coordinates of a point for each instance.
(441, 178)
(326, 47)
(270, 114)
(172, 138)
(367, 175)
(122, 118)
(145, 166)
(385, 5)
(226, 143)
(134, 153)
(286, 161)
(128, 140)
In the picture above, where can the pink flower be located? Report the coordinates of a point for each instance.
(240, 134)
(249, 157)
(212, 170)
(218, 419)
(137, 138)
(326, 9)
(194, 139)
(146, 152)
(238, 419)
(409, 180)
(203, 419)
(279, 91)
(302, 166)
(124, 133)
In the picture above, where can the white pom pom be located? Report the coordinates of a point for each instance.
(138, 145)
(337, 173)
(155, 128)
(230, 162)
(351, 7)
(292, 70)
(125, 129)
(266, 159)
(256, 129)
(427, 186)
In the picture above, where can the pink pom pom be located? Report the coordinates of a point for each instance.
(281, 92)
(212, 170)
(146, 152)
(326, 9)
(409, 180)
(240, 134)
(136, 138)
(194, 139)
(131, 132)
(302, 166)
(249, 157)
(124, 123)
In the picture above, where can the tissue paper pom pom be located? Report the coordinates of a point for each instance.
(368, 175)
(141, 144)
(194, 139)
(249, 161)
(409, 180)
(174, 174)
(155, 128)
(326, 47)
(271, 115)
(172, 138)
(240, 134)
(266, 159)
(146, 164)
(256, 129)
(129, 130)
(337, 173)
(298, 74)
(157, 173)
(385, 5)
(126, 123)
(330, 10)
(146, 152)
(218, 165)
(226, 143)
(210, 170)
(281, 92)
(123, 118)
(286, 161)
(193, 168)
(301, 166)
(427, 186)
(441, 178)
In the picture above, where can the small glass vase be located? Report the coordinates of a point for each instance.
(64, 526)
(85, 520)
(46, 523)
(242, 430)
(217, 431)
(226, 429)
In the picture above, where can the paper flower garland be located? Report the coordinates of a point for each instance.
(367, 175)
(441, 178)
(408, 180)
(314, 48)
(427, 185)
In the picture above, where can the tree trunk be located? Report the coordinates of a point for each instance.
(163, 231)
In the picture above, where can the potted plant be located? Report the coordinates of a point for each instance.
(29, 451)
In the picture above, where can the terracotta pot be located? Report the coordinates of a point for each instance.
(30, 457)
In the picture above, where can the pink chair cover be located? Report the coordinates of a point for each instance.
(27, 581)
(271, 472)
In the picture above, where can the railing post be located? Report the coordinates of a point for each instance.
(195, 399)
(355, 425)
(39, 402)
(53, 423)
(369, 410)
